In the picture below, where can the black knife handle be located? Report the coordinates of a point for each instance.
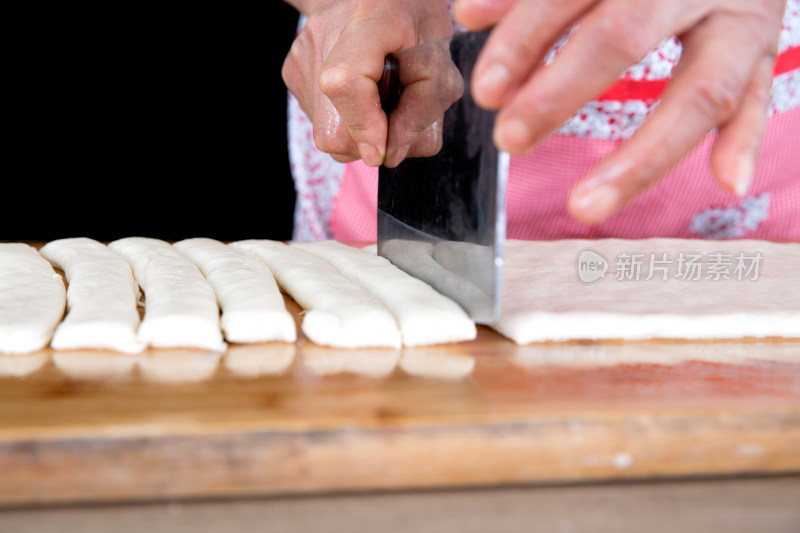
(389, 86)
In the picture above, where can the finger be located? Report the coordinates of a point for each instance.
(296, 73)
(480, 14)
(330, 135)
(344, 158)
(330, 132)
(431, 85)
(517, 45)
(734, 154)
(717, 63)
(349, 78)
(427, 143)
(613, 36)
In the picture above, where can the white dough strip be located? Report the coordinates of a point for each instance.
(423, 314)
(181, 308)
(32, 299)
(544, 298)
(102, 297)
(247, 293)
(337, 312)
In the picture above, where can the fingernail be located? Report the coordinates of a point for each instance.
(598, 204)
(512, 135)
(369, 154)
(743, 174)
(396, 155)
(491, 85)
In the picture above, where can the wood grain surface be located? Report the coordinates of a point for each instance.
(298, 418)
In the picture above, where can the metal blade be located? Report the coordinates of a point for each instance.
(442, 218)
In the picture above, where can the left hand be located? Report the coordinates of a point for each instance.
(722, 81)
(334, 66)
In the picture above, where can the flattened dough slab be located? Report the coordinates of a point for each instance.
(424, 315)
(337, 312)
(102, 297)
(545, 299)
(181, 308)
(247, 293)
(32, 299)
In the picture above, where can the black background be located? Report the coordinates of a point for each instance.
(169, 124)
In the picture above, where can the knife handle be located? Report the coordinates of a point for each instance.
(389, 86)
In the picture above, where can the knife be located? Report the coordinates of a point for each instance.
(442, 218)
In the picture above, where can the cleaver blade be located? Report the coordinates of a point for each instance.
(442, 218)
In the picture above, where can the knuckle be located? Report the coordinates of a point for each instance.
(517, 56)
(643, 176)
(334, 81)
(761, 89)
(716, 98)
(626, 37)
(414, 126)
(548, 111)
(291, 62)
(288, 74)
(429, 143)
(453, 90)
(358, 127)
(295, 67)
(331, 142)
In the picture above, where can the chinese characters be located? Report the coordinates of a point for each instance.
(687, 266)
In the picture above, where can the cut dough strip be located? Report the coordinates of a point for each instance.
(247, 293)
(337, 312)
(102, 297)
(419, 257)
(180, 306)
(544, 298)
(32, 299)
(424, 315)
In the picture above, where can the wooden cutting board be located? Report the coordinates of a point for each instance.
(294, 418)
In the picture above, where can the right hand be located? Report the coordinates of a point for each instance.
(721, 84)
(334, 66)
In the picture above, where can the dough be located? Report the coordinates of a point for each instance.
(180, 306)
(102, 297)
(337, 312)
(591, 289)
(419, 257)
(251, 302)
(601, 354)
(424, 315)
(464, 258)
(32, 299)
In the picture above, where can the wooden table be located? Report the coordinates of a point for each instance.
(281, 419)
(766, 504)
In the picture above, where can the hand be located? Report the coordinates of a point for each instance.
(430, 83)
(334, 66)
(722, 81)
